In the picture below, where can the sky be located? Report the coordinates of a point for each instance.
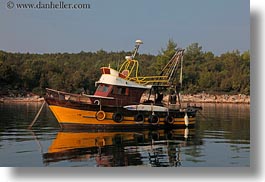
(114, 25)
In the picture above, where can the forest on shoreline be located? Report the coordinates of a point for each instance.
(22, 73)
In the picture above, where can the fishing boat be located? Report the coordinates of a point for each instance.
(117, 102)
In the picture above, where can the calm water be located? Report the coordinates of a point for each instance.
(221, 138)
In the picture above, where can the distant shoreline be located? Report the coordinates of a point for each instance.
(211, 98)
(214, 98)
(186, 98)
(21, 99)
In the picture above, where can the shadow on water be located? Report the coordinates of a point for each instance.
(19, 116)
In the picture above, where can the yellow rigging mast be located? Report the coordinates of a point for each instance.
(167, 76)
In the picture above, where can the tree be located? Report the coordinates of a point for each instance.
(164, 56)
(202, 71)
(194, 54)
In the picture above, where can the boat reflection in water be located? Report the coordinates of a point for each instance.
(106, 149)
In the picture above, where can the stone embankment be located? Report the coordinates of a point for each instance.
(35, 98)
(210, 98)
(187, 98)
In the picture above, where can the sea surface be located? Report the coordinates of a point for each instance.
(220, 138)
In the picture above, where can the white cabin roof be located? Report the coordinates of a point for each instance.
(113, 79)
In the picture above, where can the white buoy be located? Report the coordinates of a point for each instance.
(186, 120)
(186, 133)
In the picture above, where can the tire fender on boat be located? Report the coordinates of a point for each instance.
(100, 115)
(117, 117)
(139, 118)
(169, 120)
(153, 119)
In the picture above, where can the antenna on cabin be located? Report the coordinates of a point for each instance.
(137, 45)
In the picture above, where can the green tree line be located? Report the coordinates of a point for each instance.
(76, 72)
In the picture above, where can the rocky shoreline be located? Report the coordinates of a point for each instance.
(21, 99)
(186, 98)
(213, 98)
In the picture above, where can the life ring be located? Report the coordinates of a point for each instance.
(100, 115)
(169, 120)
(117, 117)
(153, 119)
(139, 118)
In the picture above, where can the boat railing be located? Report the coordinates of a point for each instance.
(84, 98)
(64, 96)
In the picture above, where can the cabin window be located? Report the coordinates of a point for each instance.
(103, 88)
(121, 91)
